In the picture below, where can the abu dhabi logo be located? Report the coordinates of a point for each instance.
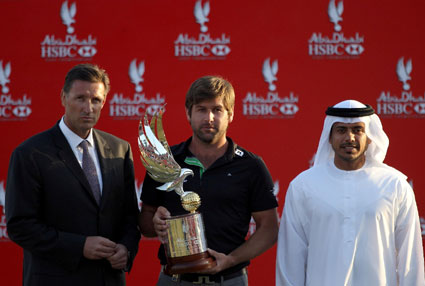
(11, 109)
(403, 103)
(269, 73)
(201, 14)
(3, 229)
(4, 76)
(67, 15)
(338, 45)
(136, 74)
(335, 14)
(135, 106)
(71, 47)
(203, 46)
(270, 105)
(403, 72)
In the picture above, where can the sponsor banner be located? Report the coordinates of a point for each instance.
(134, 106)
(404, 103)
(202, 46)
(270, 104)
(3, 230)
(12, 108)
(338, 45)
(69, 47)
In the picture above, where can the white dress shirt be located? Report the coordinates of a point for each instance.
(74, 141)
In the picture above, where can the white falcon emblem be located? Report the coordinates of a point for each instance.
(335, 14)
(269, 73)
(4, 76)
(136, 74)
(201, 14)
(67, 15)
(403, 72)
(2, 196)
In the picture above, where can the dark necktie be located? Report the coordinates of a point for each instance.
(89, 169)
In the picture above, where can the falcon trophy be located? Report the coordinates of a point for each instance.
(186, 248)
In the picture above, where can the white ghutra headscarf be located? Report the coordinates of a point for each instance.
(351, 111)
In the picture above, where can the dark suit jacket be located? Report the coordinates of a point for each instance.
(50, 209)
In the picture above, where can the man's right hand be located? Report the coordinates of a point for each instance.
(160, 224)
(97, 247)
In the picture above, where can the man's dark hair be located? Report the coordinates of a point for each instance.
(210, 87)
(86, 72)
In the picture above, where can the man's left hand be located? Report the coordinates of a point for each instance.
(120, 258)
(223, 262)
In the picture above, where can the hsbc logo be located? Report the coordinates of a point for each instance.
(12, 108)
(136, 105)
(271, 105)
(337, 45)
(354, 49)
(288, 109)
(70, 47)
(220, 50)
(420, 108)
(204, 45)
(87, 51)
(21, 111)
(405, 103)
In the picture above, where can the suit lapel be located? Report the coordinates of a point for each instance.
(67, 156)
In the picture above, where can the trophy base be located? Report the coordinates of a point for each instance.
(189, 264)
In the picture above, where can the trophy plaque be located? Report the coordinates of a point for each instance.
(186, 248)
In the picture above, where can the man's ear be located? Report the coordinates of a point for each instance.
(187, 114)
(231, 115)
(63, 95)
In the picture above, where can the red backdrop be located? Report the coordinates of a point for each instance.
(288, 61)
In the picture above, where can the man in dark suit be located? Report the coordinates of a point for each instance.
(70, 194)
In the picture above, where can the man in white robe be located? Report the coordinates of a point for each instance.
(350, 220)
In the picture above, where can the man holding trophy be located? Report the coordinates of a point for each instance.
(223, 182)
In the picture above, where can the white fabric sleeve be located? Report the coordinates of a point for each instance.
(408, 239)
(291, 256)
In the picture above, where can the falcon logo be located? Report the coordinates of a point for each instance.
(354, 49)
(135, 73)
(335, 14)
(201, 13)
(420, 108)
(87, 51)
(269, 73)
(2, 196)
(4, 76)
(288, 109)
(67, 15)
(403, 72)
(220, 50)
(21, 111)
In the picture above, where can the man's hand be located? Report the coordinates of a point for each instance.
(223, 262)
(97, 247)
(120, 258)
(159, 223)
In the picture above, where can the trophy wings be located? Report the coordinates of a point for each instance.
(156, 155)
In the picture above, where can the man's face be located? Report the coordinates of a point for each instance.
(83, 104)
(209, 120)
(349, 141)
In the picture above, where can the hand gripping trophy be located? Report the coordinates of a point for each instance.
(186, 247)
